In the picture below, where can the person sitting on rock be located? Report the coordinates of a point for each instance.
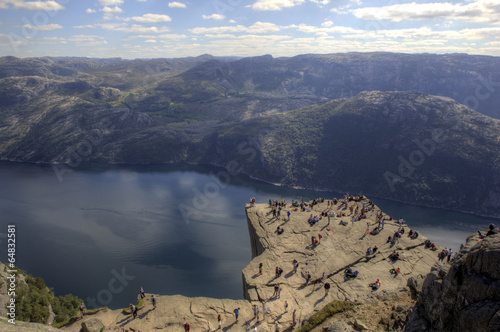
(395, 271)
(280, 230)
(427, 244)
(414, 235)
(394, 256)
(369, 251)
(376, 285)
(375, 249)
(481, 236)
(349, 273)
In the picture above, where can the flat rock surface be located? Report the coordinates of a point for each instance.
(340, 246)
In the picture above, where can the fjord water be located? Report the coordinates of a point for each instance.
(102, 231)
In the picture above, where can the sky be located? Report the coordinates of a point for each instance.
(169, 29)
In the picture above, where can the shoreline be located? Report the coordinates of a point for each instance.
(276, 184)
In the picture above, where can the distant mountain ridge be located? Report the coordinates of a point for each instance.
(304, 121)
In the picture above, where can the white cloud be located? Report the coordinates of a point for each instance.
(150, 18)
(320, 2)
(232, 21)
(124, 27)
(136, 28)
(168, 36)
(31, 5)
(216, 17)
(327, 24)
(46, 27)
(90, 10)
(150, 41)
(275, 4)
(479, 11)
(176, 4)
(258, 27)
(114, 9)
(110, 2)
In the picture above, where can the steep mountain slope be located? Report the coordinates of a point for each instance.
(274, 117)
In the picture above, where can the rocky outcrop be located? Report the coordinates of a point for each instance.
(92, 325)
(464, 296)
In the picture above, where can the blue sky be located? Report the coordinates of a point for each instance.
(153, 28)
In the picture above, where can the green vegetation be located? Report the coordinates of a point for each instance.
(33, 298)
(328, 311)
(65, 308)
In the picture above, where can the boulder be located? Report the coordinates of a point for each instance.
(360, 325)
(92, 325)
(340, 326)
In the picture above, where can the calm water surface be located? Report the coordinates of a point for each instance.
(174, 229)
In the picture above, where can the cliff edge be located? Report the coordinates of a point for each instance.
(464, 296)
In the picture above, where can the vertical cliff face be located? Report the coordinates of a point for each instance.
(465, 297)
(255, 240)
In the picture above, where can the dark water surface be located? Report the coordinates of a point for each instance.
(103, 231)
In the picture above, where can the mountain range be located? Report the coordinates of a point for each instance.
(397, 126)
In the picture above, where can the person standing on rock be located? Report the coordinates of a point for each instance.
(261, 267)
(219, 318)
(295, 265)
(256, 312)
(82, 309)
(236, 313)
(286, 306)
(276, 289)
(187, 327)
(141, 291)
(327, 288)
(279, 291)
(132, 310)
(294, 317)
(288, 214)
(153, 301)
(276, 327)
